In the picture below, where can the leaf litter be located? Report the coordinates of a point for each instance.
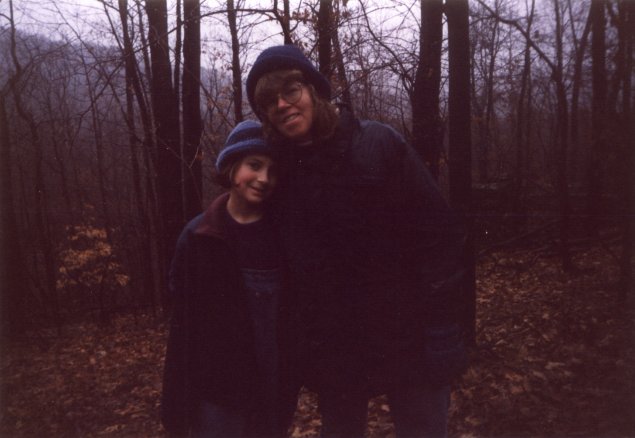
(555, 356)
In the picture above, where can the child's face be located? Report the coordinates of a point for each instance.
(254, 179)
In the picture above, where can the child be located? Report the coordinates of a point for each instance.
(222, 366)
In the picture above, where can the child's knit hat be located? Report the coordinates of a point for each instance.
(245, 138)
(285, 57)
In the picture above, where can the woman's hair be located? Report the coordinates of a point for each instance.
(325, 115)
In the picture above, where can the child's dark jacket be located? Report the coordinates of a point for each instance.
(210, 354)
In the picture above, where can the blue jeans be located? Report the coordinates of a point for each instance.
(415, 412)
(263, 288)
(260, 417)
(420, 413)
(214, 421)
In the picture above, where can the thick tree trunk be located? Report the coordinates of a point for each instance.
(324, 31)
(166, 123)
(192, 122)
(427, 136)
(460, 146)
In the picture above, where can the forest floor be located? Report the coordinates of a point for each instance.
(555, 357)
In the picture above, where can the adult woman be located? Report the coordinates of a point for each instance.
(373, 251)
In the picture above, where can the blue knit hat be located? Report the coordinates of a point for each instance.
(285, 57)
(245, 138)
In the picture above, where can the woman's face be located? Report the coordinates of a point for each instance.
(290, 111)
(254, 179)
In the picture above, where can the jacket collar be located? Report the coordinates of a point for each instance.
(213, 222)
(326, 155)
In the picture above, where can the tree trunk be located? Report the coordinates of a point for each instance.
(427, 137)
(324, 31)
(598, 114)
(144, 254)
(178, 52)
(13, 273)
(237, 90)
(42, 232)
(166, 122)
(562, 143)
(576, 85)
(284, 20)
(192, 122)
(457, 12)
(101, 180)
(627, 34)
(518, 193)
(346, 98)
(485, 120)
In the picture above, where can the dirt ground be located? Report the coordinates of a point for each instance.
(555, 357)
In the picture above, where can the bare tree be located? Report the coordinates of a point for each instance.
(339, 61)
(98, 136)
(594, 166)
(460, 144)
(284, 19)
(562, 136)
(13, 273)
(42, 231)
(626, 34)
(192, 122)
(237, 90)
(166, 122)
(488, 42)
(178, 52)
(556, 69)
(427, 135)
(144, 200)
(523, 119)
(324, 35)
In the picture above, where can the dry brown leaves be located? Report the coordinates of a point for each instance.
(555, 357)
(92, 381)
(555, 352)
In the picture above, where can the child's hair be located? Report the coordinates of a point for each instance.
(225, 175)
(325, 115)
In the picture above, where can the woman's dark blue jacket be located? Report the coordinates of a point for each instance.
(210, 353)
(374, 258)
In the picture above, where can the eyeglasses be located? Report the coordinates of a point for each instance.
(290, 93)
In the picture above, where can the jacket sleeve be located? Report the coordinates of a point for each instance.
(437, 246)
(176, 396)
